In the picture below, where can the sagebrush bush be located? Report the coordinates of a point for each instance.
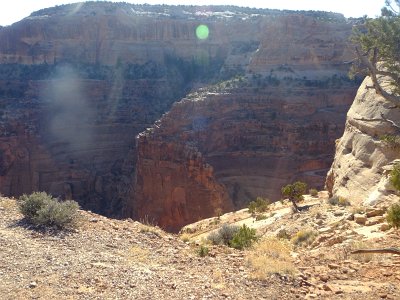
(203, 251)
(243, 238)
(40, 208)
(261, 217)
(224, 235)
(29, 205)
(259, 205)
(393, 215)
(304, 237)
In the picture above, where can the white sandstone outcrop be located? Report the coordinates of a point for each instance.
(360, 171)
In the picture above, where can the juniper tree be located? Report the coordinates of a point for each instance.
(378, 50)
(294, 192)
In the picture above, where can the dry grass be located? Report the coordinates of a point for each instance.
(185, 237)
(364, 257)
(139, 255)
(317, 211)
(151, 229)
(6, 203)
(270, 256)
(218, 280)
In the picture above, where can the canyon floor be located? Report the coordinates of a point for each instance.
(124, 259)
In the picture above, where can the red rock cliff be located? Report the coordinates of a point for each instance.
(247, 141)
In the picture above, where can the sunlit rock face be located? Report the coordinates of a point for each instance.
(79, 83)
(359, 172)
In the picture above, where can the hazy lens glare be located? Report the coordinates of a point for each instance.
(202, 32)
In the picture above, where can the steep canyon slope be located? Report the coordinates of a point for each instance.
(79, 82)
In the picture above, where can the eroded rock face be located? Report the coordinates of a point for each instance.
(175, 185)
(358, 171)
(255, 139)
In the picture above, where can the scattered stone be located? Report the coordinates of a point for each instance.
(375, 212)
(327, 288)
(333, 266)
(375, 220)
(338, 213)
(385, 227)
(311, 296)
(335, 240)
(324, 230)
(324, 277)
(33, 284)
(360, 219)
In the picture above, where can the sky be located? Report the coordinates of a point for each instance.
(15, 10)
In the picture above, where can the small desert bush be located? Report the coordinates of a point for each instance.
(243, 238)
(261, 217)
(313, 192)
(40, 208)
(339, 201)
(270, 256)
(395, 176)
(393, 215)
(203, 251)
(304, 237)
(259, 205)
(224, 235)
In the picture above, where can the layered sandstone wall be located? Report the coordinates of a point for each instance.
(359, 172)
(255, 140)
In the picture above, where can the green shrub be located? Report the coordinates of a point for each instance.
(203, 251)
(313, 192)
(259, 205)
(395, 176)
(393, 215)
(40, 208)
(243, 238)
(224, 235)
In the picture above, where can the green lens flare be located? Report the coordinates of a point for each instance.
(202, 32)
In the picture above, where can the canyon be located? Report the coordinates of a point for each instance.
(122, 108)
